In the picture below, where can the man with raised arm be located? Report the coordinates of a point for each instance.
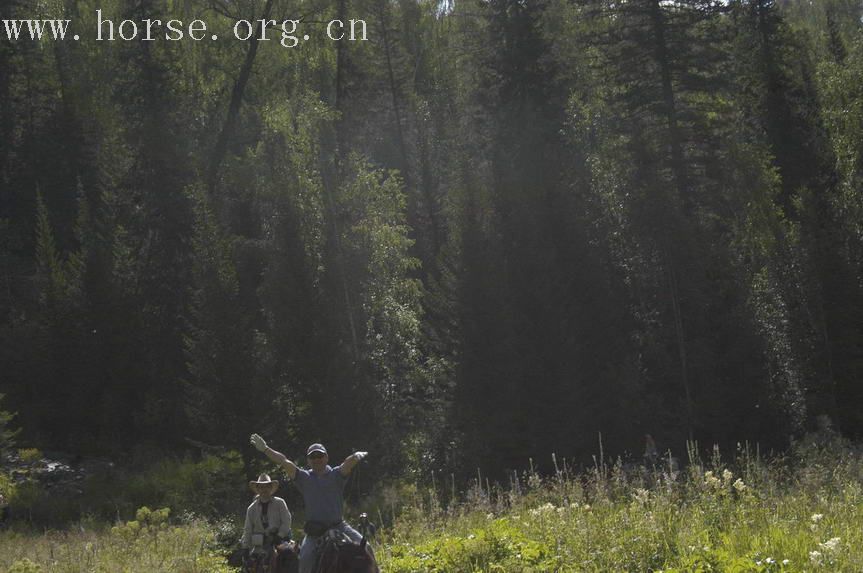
(323, 493)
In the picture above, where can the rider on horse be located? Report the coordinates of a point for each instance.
(268, 521)
(322, 487)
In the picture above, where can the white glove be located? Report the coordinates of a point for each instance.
(258, 442)
(361, 455)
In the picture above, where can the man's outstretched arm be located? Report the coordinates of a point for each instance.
(351, 461)
(274, 456)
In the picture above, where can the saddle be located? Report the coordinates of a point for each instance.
(337, 553)
(319, 528)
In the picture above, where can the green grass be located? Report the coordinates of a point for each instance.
(800, 513)
(147, 544)
(797, 514)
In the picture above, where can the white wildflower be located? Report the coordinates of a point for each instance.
(542, 510)
(786, 561)
(816, 557)
(831, 545)
(739, 485)
(727, 475)
(641, 495)
(816, 517)
(711, 480)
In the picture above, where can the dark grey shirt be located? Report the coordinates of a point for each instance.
(323, 494)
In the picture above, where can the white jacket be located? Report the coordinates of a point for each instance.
(278, 517)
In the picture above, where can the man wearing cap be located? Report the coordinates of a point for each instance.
(267, 515)
(322, 487)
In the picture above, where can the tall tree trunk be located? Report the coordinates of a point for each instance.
(680, 336)
(387, 44)
(407, 174)
(234, 105)
(331, 176)
(678, 165)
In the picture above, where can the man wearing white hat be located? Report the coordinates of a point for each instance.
(322, 487)
(266, 516)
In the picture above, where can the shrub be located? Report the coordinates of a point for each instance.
(7, 486)
(30, 455)
(213, 486)
(7, 434)
(210, 487)
(24, 566)
(31, 501)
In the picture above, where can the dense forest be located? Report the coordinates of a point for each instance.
(495, 230)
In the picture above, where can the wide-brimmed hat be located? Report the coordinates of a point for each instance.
(264, 479)
(316, 448)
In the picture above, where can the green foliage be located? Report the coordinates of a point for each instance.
(32, 502)
(794, 515)
(494, 228)
(30, 455)
(48, 259)
(502, 546)
(377, 245)
(7, 486)
(148, 544)
(24, 566)
(221, 347)
(7, 433)
(752, 516)
(147, 522)
(210, 487)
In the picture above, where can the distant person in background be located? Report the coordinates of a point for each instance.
(4, 510)
(366, 527)
(268, 521)
(322, 487)
(651, 454)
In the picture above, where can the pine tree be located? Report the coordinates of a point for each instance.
(227, 398)
(7, 434)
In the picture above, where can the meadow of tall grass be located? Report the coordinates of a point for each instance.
(801, 512)
(147, 544)
(741, 513)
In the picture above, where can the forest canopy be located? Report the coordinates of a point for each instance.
(494, 230)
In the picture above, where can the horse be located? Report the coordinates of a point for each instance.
(340, 555)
